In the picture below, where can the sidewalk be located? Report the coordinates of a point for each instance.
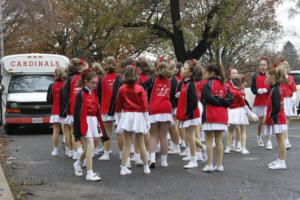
(5, 193)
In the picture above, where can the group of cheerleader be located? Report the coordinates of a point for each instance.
(168, 109)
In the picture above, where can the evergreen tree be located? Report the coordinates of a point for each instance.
(290, 54)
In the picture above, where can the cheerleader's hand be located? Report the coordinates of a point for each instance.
(260, 91)
(177, 94)
(264, 90)
(253, 117)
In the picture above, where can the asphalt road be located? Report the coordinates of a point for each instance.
(245, 177)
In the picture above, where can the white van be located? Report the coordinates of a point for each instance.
(26, 78)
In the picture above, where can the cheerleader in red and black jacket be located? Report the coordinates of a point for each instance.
(53, 97)
(237, 114)
(69, 93)
(160, 110)
(87, 122)
(260, 89)
(188, 112)
(133, 117)
(106, 86)
(216, 98)
(275, 122)
(289, 91)
(144, 70)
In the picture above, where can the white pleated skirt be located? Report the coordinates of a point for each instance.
(237, 116)
(107, 118)
(190, 122)
(275, 129)
(165, 117)
(93, 127)
(260, 111)
(290, 109)
(133, 122)
(70, 120)
(214, 127)
(55, 119)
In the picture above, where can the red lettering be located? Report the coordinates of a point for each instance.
(19, 64)
(24, 63)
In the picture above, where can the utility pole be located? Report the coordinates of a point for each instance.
(1, 56)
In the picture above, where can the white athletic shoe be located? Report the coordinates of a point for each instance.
(208, 168)
(76, 155)
(187, 158)
(125, 171)
(192, 164)
(227, 150)
(280, 164)
(92, 177)
(77, 168)
(244, 151)
(105, 156)
(288, 145)
(272, 163)
(54, 152)
(238, 147)
(146, 169)
(260, 143)
(128, 163)
(269, 145)
(139, 162)
(174, 150)
(164, 161)
(219, 168)
(70, 154)
(66, 151)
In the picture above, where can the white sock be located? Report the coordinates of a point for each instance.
(90, 172)
(152, 157)
(164, 157)
(120, 154)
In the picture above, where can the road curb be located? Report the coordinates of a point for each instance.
(5, 192)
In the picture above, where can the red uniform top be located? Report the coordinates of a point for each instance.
(289, 88)
(215, 107)
(92, 104)
(143, 78)
(238, 97)
(107, 88)
(56, 91)
(131, 99)
(199, 87)
(74, 89)
(160, 97)
(275, 109)
(259, 82)
(179, 77)
(187, 107)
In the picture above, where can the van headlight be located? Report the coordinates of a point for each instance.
(14, 105)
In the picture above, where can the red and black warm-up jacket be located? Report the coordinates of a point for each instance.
(199, 87)
(131, 98)
(187, 107)
(275, 109)
(116, 86)
(86, 104)
(143, 78)
(287, 89)
(65, 97)
(107, 91)
(172, 88)
(216, 98)
(258, 82)
(53, 96)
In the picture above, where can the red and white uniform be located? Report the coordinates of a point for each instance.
(74, 89)
(237, 114)
(215, 114)
(87, 117)
(132, 110)
(261, 100)
(289, 93)
(188, 112)
(53, 97)
(275, 121)
(107, 90)
(160, 107)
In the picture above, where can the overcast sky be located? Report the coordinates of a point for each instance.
(291, 26)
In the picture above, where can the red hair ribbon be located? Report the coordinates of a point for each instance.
(162, 59)
(85, 72)
(81, 61)
(275, 65)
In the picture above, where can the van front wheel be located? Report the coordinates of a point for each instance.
(8, 129)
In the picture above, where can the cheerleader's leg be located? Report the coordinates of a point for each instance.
(140, 141)
(55, 136)
(108, 127)
(190, 134)
(126, 148)
(163, 132)
(219, 146)
(209, 146)
(281, 144)
(259, 126)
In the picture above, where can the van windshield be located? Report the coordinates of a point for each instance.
(30, 83)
